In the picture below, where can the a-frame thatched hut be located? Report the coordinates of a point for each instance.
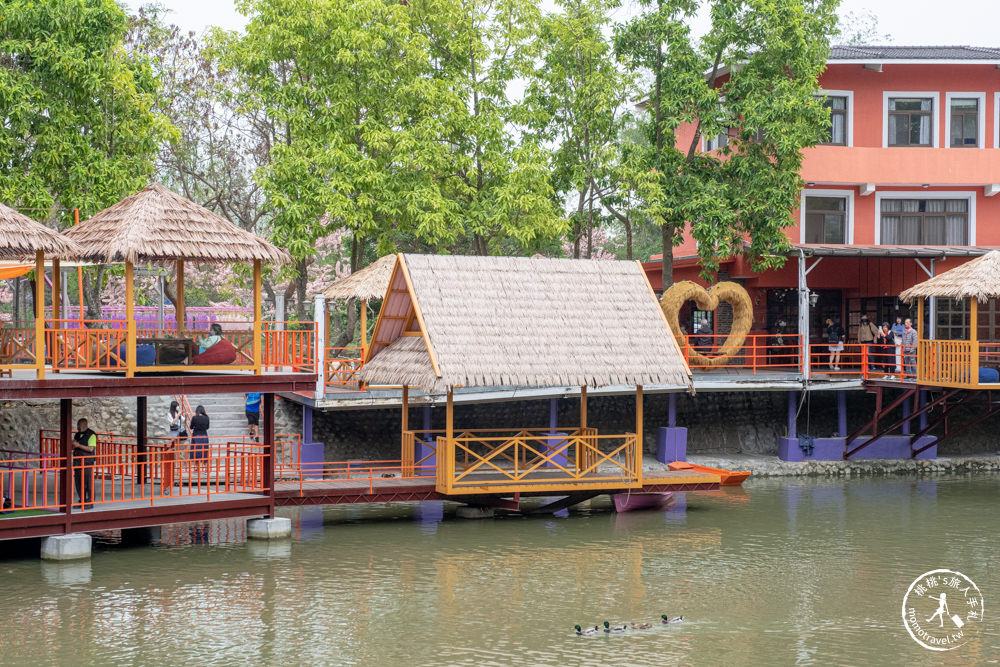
(363, 285)
(449, 321)
(159, 226)
(23, 239)
(969, 363)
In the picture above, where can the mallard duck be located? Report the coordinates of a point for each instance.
(666, 619)
(641, 626)
(614, 628)
(589, 631)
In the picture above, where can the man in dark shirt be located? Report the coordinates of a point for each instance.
(84, 451)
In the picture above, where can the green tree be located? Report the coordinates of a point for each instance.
(576, 98)
(357, 138)
(748, 83)
(496, 175)
(77, 125)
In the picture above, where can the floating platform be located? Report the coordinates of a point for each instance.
(726, 477)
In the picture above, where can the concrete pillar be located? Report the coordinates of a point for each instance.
(319, 322)
(276, 528)
(842, 413)
(922, 402)
(792, 408)
(141, 426)
(66, 547)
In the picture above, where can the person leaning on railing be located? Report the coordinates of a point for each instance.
(84, 450)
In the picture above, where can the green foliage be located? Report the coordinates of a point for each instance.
(752, 77)
(77, 129)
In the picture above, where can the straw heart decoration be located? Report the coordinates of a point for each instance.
(732, 293)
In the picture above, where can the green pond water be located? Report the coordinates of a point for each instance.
(780, 572)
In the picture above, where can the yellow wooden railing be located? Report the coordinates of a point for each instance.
(948, 363)
(537, 460)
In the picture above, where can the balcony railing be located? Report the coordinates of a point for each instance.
(759, 352)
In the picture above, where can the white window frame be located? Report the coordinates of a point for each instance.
(996, 120)
(848, 195)
(923, 194)
(981, 120)
(849, 115)
(935, 115)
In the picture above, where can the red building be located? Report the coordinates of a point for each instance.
(905, 186)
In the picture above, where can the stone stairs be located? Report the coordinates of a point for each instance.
(226, 412)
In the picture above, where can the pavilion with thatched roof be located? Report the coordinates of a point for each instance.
(158, 226)
(972, 362)
(454, 321)
(23, 239)
(363, 285)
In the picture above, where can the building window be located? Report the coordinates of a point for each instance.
(910, 121)
(718, 141)
(826, 220)
(925, 222)
(964, 131)
(952, 317)
(838, 120)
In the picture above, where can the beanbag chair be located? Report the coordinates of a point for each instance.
(145, 355)
(221, 353)
(988, 376)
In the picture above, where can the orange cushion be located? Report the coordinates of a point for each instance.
(221, 353)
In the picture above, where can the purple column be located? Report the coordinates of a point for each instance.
(424, 451)
(310, 453)
(555, 438)
(842, 413)
(792, 400)
(671, 410)
(553, 414)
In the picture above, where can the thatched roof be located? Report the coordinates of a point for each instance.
(157, 225)
(978, 278)
(502, 321)
(21, 237)
(364, 284)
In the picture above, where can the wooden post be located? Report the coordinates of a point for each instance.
(267, 414)
(79, 272)
(921, 361)
(583, 407)
(130, 336)
(66, 456)
(364, 328)
(448, 458)
(179, 304)
(40, 315)
(256, 318)
(406, 409)
(974, 340)
(56, 312)
(141, 430)
(639, 444)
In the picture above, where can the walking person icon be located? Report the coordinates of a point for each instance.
(941, 610)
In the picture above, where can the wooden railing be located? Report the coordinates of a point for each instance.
(948, 363)
(759, 352)
(342, 369)
(537, 460)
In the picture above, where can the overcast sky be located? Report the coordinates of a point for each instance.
(906, 21)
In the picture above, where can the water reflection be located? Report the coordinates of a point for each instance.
(781, 572)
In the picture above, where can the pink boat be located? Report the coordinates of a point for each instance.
(629, 502)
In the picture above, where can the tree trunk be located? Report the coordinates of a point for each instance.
(667, 265)
(301, 283)
(480, 245)
(628, 238)
(92, 294)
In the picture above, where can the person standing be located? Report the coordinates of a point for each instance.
(84, 458)
(177, 422)
(886, 349)
(704, 340)
(253, 414)
(835, 342)
(867, 336)
(897, 340)
(199, 435)
(909, 344)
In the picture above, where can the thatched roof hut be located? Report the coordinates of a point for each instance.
(976, 279)
(157, 225)
(454, 321)
(364, 284)
(21, 237)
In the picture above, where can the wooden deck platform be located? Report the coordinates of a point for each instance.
(392, 489)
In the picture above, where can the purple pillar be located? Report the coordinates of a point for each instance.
(423, 450)
(671, 410)
(555, 438)
(792, 401)
(842, 413)
(922, 402)
(553, 414)
(906, 413)
(310, 453)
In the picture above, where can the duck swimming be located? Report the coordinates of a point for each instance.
(614, 628)
(641, 626)
(589, 631)
(666, 619)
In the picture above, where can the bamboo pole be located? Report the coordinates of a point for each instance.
(256, 318)
(921, 363)
(405, 416)
(974, 340)
(40, 315)
(79, 272)
(364, 328)
(583, 407)
(639, 444)
(130, 341)
(56, 310)
(449, 443)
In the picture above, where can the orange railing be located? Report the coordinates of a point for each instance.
(17, 347)
(759, 352)
(33, 484)
(363, 472)
(862, 360)
(342, 368)
(288, 345)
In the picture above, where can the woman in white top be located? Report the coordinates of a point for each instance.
(177, 422)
